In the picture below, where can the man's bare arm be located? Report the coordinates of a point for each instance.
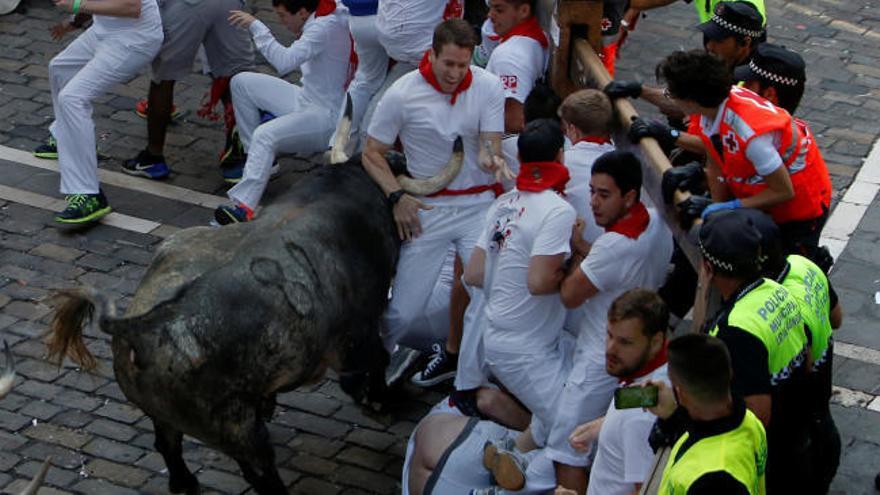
(576, 288)
(514, 118)
(545, 274)
(473, 272)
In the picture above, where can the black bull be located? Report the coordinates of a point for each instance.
(225, 319)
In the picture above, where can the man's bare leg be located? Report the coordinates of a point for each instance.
(159, 103)
(501, 408)
(571, 477)
(458, 303)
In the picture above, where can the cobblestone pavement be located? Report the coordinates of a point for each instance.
(100, 444)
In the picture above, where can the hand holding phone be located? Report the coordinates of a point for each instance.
(636, 396)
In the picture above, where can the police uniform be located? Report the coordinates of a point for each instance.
(705, 8)
(763, 328)
(727, 455)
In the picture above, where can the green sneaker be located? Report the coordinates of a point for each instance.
(83, 208)
(47, 150)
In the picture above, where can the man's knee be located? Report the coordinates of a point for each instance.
(69, 100)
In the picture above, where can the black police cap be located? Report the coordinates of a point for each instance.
(734, 18)
(774, 64)
(729, 240)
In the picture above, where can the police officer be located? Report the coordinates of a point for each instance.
(761, 323)
(724, 446)
(822, 313)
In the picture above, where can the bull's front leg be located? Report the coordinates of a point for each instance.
(169, 443)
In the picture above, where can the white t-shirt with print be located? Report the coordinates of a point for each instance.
(518, 62)
(616, 264)
(427, 125)
(521, 225)
(624, 456)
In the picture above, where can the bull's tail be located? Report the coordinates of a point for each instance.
(79, 307)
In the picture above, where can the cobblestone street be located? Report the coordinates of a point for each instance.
(324, 444)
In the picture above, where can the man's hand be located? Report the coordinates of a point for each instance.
(406, 216)
(495, 165)
(59, 30)
(690, 177)
(666, 403)
(726, 205)
(241, 19)
(584, 435)
(578, 245)
(641, 128)
(623, 89)
(692, 209)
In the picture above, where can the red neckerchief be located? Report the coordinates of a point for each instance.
(530, 29)
(540, 176)
(633, 223)
(647, 368)
(454, 10)
(427, 72)
(594, 139)
(325, 7)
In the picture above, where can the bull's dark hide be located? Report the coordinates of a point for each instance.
(226, 318)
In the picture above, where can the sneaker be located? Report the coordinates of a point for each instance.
(47, 150)
(507, 466)
(146, 165)
(402, 359)
(440, 368)
(233, 173)
(83, 208)
(233, 152)
(229, 214)
(142, 107)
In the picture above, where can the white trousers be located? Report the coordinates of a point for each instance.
(83, 71)
(371, 69)
(472, 371)
(587, 393)
(297, 128)
(418, 314)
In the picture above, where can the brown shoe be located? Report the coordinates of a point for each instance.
(507, 466)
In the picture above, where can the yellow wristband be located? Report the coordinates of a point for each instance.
(76, 6)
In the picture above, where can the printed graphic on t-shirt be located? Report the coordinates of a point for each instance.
(731, 143)
(509, 83)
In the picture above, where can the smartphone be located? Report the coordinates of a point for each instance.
(630, 397)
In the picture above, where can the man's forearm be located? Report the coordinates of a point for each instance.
(378, 170)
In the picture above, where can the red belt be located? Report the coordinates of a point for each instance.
(496, 188)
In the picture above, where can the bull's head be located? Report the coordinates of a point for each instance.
(416, 187)
(7, 379)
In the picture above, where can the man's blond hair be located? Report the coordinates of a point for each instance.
(589, 110)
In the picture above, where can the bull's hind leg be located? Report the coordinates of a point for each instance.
(258, 467)
(169, 443)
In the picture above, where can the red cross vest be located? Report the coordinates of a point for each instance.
(746, 116)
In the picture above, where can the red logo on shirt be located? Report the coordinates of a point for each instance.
(605, 24)
(731, 143)
(509, 82)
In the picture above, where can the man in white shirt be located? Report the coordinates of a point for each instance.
(305, 115)
(519, 61)
(635, 354)
(518, 264)
(122, 40)
(634, 251)
(427, 110)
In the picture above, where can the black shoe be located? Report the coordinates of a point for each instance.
(145, 164)
(233, 152)
(440, 368)
(47, 150)
(83, 208)
(402, 359)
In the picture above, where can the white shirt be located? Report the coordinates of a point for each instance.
(427, 125)
(616, 264)
(518, 62)
(147, 26)
(624, 456)
(521, 225)
(406, 27)
(762, 150)
(321, 54)
(579, 160)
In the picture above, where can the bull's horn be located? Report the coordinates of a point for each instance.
(337, 152)
(37, 482)
(425, 187)
(7, 379)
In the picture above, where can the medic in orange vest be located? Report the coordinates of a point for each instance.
(759, 155)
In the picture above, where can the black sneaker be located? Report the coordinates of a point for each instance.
(47, 150)
(83, 208)
(145, 164)
(440, 368)
(402, 359)
(233, 152)
(229, 214)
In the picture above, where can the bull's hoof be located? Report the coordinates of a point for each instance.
(189, 486)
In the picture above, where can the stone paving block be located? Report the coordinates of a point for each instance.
(59, 435)
(40, 370)
(56, 252)
(61, 457)
(111, 429)
(223, 481)
(374, 440)
(72, 418)
(117, 473)
(8, 460)
(84, 382)
(26, 310)
(114, 451)
(364, 458)
(40, 410)
(18, 485)
(313, 465)
(123, 413)
(316, 445)
(313, 403)
(313, 424)
(78, 400)
(55, 476)
(361, 478)
(101, 487)
(309, 486)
